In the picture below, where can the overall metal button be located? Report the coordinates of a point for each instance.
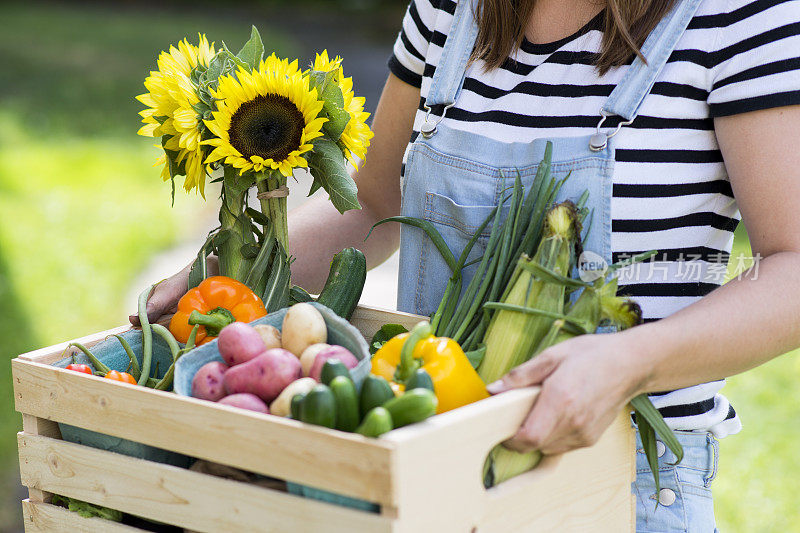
(598, 142)
(661, 448)
(428, 129)
(666, 497)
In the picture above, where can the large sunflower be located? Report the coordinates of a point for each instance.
(265, 118)
(356, 135)
(170, 114)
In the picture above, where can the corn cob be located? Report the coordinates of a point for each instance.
(512, 336)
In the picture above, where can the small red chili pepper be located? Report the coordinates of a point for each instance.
(86, 369)
(124, 377)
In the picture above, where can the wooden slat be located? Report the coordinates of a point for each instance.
(177, 496)
(51, 354)
(40, 426)
(368, 320)
(265, 444)
(46, 518)
(591, 485)
(581, 491)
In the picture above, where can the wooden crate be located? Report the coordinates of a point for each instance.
(426, 477)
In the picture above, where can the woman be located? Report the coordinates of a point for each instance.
(701, 131)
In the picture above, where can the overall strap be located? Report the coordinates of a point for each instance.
(451, 70)
(628, 95)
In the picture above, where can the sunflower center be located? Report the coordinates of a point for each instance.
(269, 126)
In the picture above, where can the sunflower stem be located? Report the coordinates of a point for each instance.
(236, 227)
(275, 208)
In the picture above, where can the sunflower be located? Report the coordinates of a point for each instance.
(170, 112)
(265, 118)
(356, 135)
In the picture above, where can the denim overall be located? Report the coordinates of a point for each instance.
(455, 178)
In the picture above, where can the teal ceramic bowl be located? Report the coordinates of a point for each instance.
(340, 332)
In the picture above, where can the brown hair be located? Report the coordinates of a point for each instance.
(627, 23)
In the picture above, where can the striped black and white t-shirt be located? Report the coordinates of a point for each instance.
(671, 191)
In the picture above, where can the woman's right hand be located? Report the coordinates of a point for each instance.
(163, 302)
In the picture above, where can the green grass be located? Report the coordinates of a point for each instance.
(83, 209)
(760, 467)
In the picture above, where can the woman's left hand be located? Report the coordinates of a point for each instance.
(585, 382)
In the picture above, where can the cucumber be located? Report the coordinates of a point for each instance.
(333, 367)
(414, 406)
(319, 407)
(420, 380)
(345, 282)
(344, 392)
(377, 422)
(294, 406)
(375, 391)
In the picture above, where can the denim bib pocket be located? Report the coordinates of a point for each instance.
(457, 224)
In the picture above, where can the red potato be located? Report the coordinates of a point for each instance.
(247, 401)
(239, 342)
(207, 383)
(333, 352)
(265, 375)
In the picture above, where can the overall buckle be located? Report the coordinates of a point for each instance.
(428, 128)
(599, 140)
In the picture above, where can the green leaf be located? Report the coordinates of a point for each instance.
(318, 79)
(198, 271)
(387, 332)
(257, 216)
(237, 183)
(333, 107)
(431, 231)
(298, 294)
(253, 50)
(338, 117)
(236, 61)
(328, 166)
(249, 251)
(87, 510)
(647, 411)
(648, 437)
(218, 66)
(315, 186)
(476, 356)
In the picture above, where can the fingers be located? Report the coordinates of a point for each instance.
(533, 372)
(561, 419)
(541, 422)
(164, 299)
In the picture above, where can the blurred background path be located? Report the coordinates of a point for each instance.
(86, 223)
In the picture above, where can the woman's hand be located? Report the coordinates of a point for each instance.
(163, 303)
(585, 382)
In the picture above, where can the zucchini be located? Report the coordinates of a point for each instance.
(377, 422)
(420, 380)
(333, 367)
(375, 391)
(344, 392)
(345, 283)
(319, 407)
(294, 406)
(414, 406)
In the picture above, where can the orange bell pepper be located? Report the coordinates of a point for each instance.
(212, 305)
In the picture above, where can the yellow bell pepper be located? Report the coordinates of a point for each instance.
(455, 382)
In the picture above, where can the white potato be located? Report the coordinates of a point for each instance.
(303, 326)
